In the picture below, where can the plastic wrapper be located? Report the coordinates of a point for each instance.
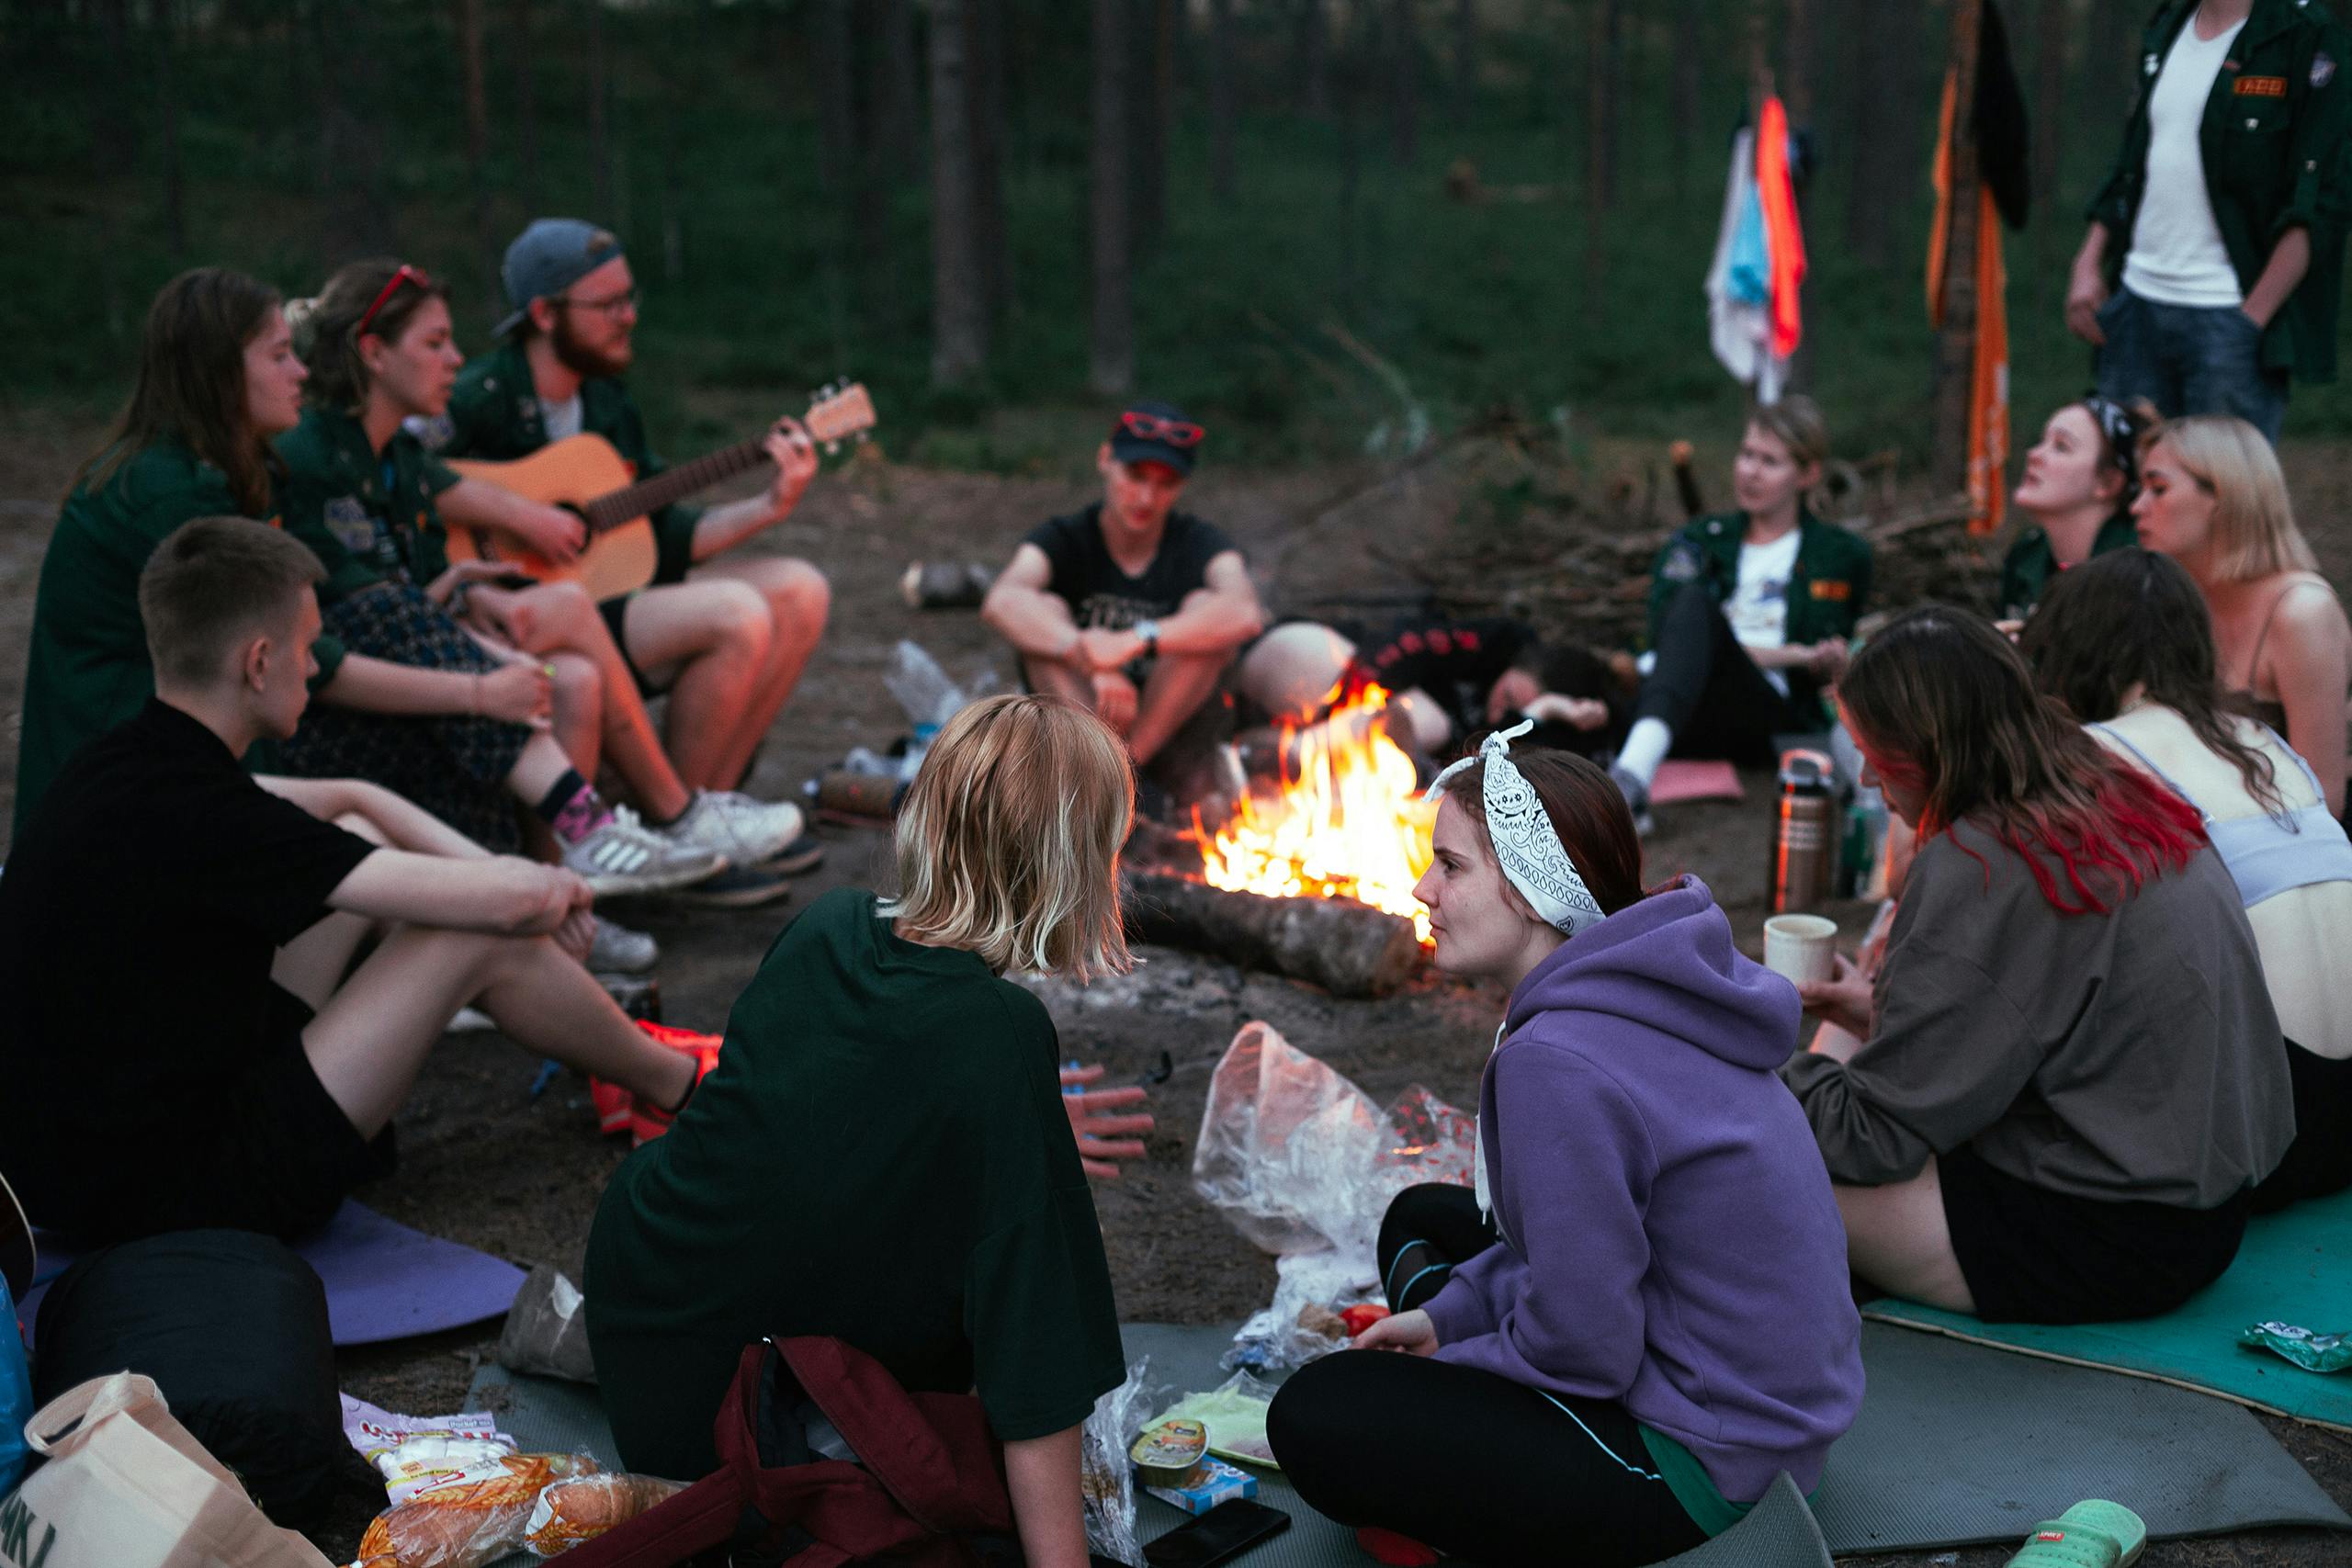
(570, 1512)
(2313, 1353)
(1235, 1414)
(468, 1524)
(1106, 1476)
(547, 1331)
(1303, 1164)
(416, 1454)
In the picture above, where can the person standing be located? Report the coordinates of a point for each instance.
(2212, 271)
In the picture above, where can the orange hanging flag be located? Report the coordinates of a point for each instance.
(1988, 386)
(1776, 194)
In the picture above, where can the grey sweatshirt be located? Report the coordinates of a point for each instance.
(2128, 1055)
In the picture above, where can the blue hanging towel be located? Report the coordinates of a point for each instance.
(1749, 279)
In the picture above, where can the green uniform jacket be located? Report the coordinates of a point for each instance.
(88, 670)
(2031, 563)
(494, 416)
(2275, 144)
(369, 518)
(1825, 592)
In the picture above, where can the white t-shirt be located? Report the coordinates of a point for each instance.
(1759, 607)
(561, 420)
(2176, 255)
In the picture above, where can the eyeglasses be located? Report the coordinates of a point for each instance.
(1152, 427)
(406, 274)
(613, 306)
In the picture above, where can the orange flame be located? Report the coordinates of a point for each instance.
(1347, 822)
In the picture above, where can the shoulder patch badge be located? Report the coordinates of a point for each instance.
(347, 520)
(2151, 64)
(2323, 69)
(1681, 563)
(1831, 588)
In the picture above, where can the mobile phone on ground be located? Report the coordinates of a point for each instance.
(1218, 1536)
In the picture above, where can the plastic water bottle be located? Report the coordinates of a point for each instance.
(921, 687)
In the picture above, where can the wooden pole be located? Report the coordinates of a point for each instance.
(1956, 340)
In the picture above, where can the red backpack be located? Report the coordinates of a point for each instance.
(928, 1475)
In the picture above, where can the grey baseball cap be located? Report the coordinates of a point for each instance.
(549, 257)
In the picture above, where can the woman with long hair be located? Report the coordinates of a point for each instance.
(2071, 1072)
(218, 376)
(2079, 482)
(2212, 497)
(2129, 649)
(1749, 610)
(1593, 1354)
(883, 1153)
(362, 493)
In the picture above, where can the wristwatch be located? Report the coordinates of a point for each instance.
(1149, 630)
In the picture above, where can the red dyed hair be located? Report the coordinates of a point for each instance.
(1943, 705)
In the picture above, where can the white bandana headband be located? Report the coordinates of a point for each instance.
(1526, 844)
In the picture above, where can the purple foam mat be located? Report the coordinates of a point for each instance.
(384, 1281)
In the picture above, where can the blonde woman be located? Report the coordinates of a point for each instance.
(882, 1153)
(2213, 498)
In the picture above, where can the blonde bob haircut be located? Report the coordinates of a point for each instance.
(1008, 843)
(2254, 522)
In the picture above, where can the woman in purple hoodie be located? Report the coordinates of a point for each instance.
(1641, 1312)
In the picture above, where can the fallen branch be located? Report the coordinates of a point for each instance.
(1349, 949)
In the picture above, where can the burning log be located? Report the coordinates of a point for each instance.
(1349, 949)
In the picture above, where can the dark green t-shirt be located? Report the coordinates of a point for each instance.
(494, 416)
(368, 515)
(881, 1155)
(86, 670)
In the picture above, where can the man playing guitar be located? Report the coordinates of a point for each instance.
(726, 639)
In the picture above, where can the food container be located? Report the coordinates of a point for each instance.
(1166, 1452)
(1212, 1481)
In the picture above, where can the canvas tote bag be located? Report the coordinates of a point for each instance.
(125, 1487)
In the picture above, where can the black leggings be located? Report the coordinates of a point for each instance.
(1489, 1470)
(1707, 690)
(2319, 1159)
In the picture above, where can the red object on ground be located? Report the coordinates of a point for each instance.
(648, 1121)
(1398, 1550)
(1360, 1317)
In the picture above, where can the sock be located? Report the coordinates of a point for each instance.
(573, 807)
(1644, 749)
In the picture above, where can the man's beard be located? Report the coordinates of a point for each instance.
(583, 360)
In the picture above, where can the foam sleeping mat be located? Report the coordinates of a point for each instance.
(2294, 1267)
(1956, 1446)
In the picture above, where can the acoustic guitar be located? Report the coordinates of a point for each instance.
(585, 475)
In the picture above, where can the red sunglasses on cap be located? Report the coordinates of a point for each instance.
(407, 274)
(1152, 427)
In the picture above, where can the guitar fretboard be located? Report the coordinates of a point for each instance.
(646, 496)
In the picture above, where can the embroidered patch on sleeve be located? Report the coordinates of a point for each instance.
(2261, 87)
(1833, 588)
(2323, 69)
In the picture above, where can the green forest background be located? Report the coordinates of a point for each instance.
(1307, 276)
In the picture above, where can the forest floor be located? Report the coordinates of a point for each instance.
(483, 1163)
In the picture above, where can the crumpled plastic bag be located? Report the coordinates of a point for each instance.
(1305, 1165)
(1106, 1477)
(546, 1331)
(1235, 1414)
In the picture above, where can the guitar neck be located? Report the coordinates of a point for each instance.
(651, 495)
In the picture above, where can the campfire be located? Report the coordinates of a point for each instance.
(1345, 819)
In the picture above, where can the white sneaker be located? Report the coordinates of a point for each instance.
(746, 831)
(625, 856)
(620, 951)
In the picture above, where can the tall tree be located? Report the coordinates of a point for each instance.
(984, 54)
(1465, 59)
(896, 95)
(1956, 340)
(834, 56)
(959, 313)
(1313, 71)
(600, 137)
(1685, 113)
(1223, 92)
(527, 104)
(1605, 66)
(167, 106)
(1884, 39)
(1404, 62)
(1154, 109)
(351, 141)
(2050, 104)
(1111, 368)
(472, 75)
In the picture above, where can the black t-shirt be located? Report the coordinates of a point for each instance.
(1100, 594)
(140, 912)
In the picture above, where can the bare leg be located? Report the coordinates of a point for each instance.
(560, 618)
(798, 599)
(713, 636)
(541, 764)
(311, 966)
(579, 710)
(1896, 1238)
(369, 1042)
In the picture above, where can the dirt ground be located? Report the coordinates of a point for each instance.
(484, 1164)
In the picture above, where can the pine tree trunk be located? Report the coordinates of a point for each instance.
(959, 288)
(1152, 105)
(2049, 107)
(984, 75)
(1603, 65)
(834, 57)
(1111, 356)
(167, 106)
(897, 95)
(1687, 117)
(1956, 341)
(526, 104)
(1875, 104)
(1223, 92)
(471, 73)
(600, 137)
(358, 212)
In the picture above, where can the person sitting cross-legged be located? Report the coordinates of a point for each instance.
(186, 1049)
(1130, 608)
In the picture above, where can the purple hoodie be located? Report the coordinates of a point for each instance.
(1670, 1236)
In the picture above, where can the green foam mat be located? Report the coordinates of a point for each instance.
(1956, 1446)
(2294, 1267)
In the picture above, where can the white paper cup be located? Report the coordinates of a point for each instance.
(1803, 947)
